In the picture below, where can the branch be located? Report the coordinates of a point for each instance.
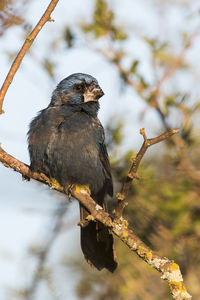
(180, 59)
(185, 163)
(133, 170)
(170, 271)
(27, 44)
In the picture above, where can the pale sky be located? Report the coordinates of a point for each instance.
(27, 209)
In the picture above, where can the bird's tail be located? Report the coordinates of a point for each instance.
(97, 243)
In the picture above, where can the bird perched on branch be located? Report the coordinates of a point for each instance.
(66, 142)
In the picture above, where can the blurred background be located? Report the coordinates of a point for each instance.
(146, 56)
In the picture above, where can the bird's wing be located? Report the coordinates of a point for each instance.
(103, 155)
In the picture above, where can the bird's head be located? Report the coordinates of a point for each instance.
(77, 89)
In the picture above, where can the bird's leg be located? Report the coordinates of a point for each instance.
(54, 184)
(68, 191)
(83, 223)
(84, 189)
(86, 221)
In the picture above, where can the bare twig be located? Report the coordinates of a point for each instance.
(133, 170)
(185, 163)
(27, 44)
(173, 68)
(170, 271)
(155, 91)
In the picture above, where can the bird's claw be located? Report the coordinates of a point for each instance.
(84, 189)
(68, 190)
(54, 184)
(83, 223)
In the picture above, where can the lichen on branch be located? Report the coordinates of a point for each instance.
(119, 226)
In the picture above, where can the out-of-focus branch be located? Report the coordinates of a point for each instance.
(44, 252)
(170, 271)
(155, 91)
(185, 163)
(27, 44)
(133, 170)
(172, 69)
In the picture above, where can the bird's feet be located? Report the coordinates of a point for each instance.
(54, 184)
(85, 222)
(83, 189)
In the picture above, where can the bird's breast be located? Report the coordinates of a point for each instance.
(73, 152)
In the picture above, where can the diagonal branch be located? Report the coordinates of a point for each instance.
(133, 170)
(186, 164)
(27, 44)
(170, 271)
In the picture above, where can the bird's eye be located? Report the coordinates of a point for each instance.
(78, 87)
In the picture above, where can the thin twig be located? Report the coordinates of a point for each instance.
(185, 163)
(27, 44)
(170, 271)
(133, 170)
(174, 67)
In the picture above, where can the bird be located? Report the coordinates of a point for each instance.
(66, 142)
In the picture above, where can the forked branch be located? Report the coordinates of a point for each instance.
(136, 162)
(119, 226)
(170, 271)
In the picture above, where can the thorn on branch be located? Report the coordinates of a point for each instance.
(51, 20)
(142, 132)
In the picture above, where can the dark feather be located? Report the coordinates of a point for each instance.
(66, 142)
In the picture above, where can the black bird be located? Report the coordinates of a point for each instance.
(66, 142)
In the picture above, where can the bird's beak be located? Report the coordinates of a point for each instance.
(93, 93)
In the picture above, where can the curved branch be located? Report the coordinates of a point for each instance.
(133, 170)
(27, 44)
(119, 226)
(186, 164)
(170, 271)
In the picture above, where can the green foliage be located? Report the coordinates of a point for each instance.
(134, 66)
(155, 44)
(103, 23)
(68, 36)
(163, 205)
(49, 66)
(163, 211)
